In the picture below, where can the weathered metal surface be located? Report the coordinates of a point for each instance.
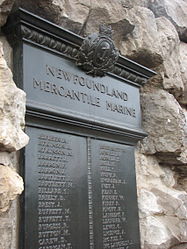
(97, 54)
(115, 213)
(80, 193)
(56, 199)
(56, 84)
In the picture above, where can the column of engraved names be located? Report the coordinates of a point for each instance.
(90, 197)
(54, 155)
(113, 208)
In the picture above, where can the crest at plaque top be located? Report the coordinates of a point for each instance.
(98, 54)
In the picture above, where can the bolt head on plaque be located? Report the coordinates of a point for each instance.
(98, 54)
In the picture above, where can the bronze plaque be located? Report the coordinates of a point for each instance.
(114, 195)
(78, 168)
(56, 199)
(80, 193)
(55, 84)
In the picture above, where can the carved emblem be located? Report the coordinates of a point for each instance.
(98, 54)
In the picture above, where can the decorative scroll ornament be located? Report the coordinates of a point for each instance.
(98, 54)
(69, 51)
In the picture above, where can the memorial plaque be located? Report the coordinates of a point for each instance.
(56, 84)
(114, 189)
(83, 118)
(80, 193)
(56, 197)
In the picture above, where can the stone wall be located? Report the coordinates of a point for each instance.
(12, 139)
(153, 33)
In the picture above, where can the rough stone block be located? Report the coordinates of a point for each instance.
(5, 234)
(162, 206)
(164, 120)
(140, 45)
(12, 110)
(175, 11)
(183, 63)
(11, 185)
(5, 8)
(170, 69)
(70, 14)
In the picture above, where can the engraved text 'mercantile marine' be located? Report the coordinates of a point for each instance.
(98, 54)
